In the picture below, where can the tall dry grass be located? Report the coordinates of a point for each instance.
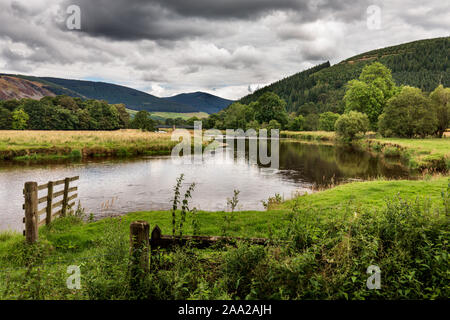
(16, 140)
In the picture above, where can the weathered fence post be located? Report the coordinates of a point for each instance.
(139, 249)
(66, 193)
(154, 240)
(31, 208)
(48, 218)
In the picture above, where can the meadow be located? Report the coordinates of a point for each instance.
(28, 144)
(174, 115)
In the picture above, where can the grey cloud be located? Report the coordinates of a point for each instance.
(170, 46)
(15, 61)
(133, 20)
(169, 20)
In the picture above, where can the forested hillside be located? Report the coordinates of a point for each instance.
(112, 93)
(21, 86)
(422, 64)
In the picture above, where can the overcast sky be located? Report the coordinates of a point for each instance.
(224, 47)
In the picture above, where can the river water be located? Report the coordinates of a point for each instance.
(112, 187)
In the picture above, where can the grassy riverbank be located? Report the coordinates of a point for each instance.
(36, 145)
(331, 238)
(432, 153)
(309, 135)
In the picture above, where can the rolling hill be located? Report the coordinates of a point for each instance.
(21, 86)
(132, 98)
(15, 88)
(423, 64)
(203, 101)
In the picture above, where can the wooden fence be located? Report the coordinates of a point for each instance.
(32, 218)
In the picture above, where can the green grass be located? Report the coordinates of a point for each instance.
(369, 194)
(173, 115)
(332, 235)
(309, 135)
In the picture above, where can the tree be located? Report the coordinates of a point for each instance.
(381, 77)
(84, 119)
(66, 102)
(273, 125)
(408, 114)
(20, 119)
(41, 114)
(440, 100)
(271, 107)
(63, 119)
(297, 123)
(311, 122)
(103, 115)
(370, 93)
(143, 121)
(191, 121)
(11, 105)
(365, 98)
(327, 121)
(5, 119)
(350, 126)
(237, 115)
(124, 116)
(253, 125)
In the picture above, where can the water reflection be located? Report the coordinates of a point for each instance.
(323, 164)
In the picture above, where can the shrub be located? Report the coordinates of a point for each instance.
(391, 152)
(327, 121)
(297, 123)
(238, 267)
(350, 126)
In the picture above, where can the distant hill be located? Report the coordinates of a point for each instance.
(203, 101)
(16, 88)
(422, 64)
(20, 86)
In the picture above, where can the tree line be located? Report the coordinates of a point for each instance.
(372, 102)
(422, 64)
(67, 113)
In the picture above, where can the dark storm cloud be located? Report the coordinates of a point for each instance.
(133, 20)
(168, 20)
(230, 9)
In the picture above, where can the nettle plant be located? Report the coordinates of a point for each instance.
(177, 227)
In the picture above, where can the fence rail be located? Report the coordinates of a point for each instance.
(32, 218)
(166, 241)
(141, 242)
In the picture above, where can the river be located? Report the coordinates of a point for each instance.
(116, 186)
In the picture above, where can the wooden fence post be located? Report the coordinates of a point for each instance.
(156, 236)
(48, 218)
(154, 240)
(66, 193)
(139, 248)
(31, 208)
